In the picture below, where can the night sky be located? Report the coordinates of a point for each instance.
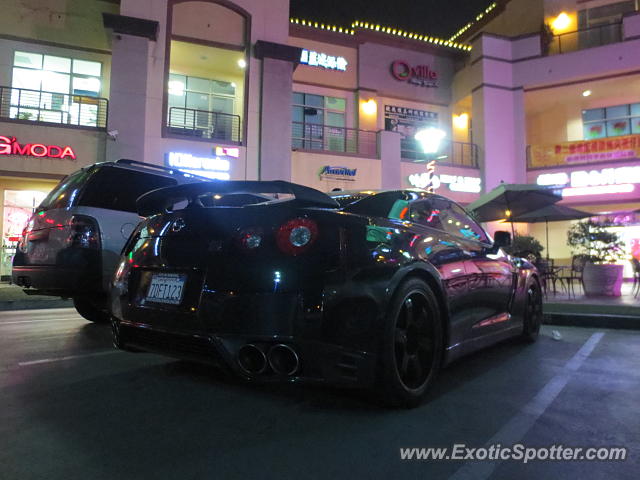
(440, 18)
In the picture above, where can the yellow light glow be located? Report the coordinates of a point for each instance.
(587, 93)
(507, 213)
(242, 63)
(370, 107)
(461, 121)
(561, 23)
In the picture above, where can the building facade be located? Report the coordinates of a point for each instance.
(236, 89)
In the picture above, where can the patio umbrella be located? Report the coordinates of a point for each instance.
(551, 213)
(510, 200)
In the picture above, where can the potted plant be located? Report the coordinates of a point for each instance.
(601, 248)
(525, 246)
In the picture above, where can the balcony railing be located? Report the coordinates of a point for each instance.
(189, 122)
(53, 107)
(585, 38)
(311, 136)
(450, 153)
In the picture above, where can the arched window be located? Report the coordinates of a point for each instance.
(206, 84)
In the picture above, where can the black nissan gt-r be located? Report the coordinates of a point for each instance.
(370, 289)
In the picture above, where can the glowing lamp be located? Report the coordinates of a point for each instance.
(461, 121)
(370, 107)
(587, 93)
(430, 138)
(561, 22)
(242, 63)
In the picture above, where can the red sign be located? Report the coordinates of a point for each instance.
(419, 75)
(10, 146)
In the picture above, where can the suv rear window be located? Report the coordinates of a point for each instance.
(118, 188)
(63, 194)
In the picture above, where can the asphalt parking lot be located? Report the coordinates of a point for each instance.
(71, 407)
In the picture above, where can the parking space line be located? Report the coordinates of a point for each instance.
(43, 320)
(514, 430)
(69, 357)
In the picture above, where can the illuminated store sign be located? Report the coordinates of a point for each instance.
(315, 59)
(10, 146)
(337, 173)
(593, 182)
(587, 151)
(421, 75)
(215, 168)
(456, 183)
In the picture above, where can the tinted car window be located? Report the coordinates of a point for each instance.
(386, 205)
(64, 193)
(118, 188)
(456, 222)
(424, 213)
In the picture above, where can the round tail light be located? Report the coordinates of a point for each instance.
(296, 235)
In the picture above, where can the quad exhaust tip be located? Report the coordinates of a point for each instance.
(251, 359)
(283, 359)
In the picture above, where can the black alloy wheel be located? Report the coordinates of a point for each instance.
(413, 345)
(532, 313)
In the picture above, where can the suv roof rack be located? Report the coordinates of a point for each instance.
(172, 171)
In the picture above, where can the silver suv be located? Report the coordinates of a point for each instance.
(72, 243)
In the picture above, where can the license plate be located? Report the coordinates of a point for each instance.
(166, 288)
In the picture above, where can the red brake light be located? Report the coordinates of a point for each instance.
(296, 235)
(84, 233)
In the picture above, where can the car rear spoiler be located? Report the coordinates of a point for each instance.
(159, 201)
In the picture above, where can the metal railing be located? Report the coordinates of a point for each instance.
(585, 38)
(190, 122)
(311, 136)
(450, 153)
(53, 107)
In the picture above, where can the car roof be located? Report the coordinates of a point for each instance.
(150, 168)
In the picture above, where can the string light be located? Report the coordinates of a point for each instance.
(479, 17)
(384, 29)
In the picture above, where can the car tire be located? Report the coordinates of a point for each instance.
(532, 315)
(412, 343)
(91, 309)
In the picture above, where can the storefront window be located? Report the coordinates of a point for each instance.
(205, 91)
(612, 121)
(54, 89)
(18, 207)
(318, 122)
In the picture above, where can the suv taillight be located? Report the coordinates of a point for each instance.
(84, 233)
(296, 235)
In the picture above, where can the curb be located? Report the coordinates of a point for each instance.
(593, 320)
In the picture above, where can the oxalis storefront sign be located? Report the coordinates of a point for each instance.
(11, 146)
(337, 173)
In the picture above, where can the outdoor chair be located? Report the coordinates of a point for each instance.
(548, 275)
(635, 289)
(574, 274)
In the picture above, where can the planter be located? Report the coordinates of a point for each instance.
(602, 280)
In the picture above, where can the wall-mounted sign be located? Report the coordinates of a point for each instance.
(593, 182)
(11, 146)
(456, 183)
(228, 152)
(408, 121)
(588, 151)
(316, 59)
(215, 168)
(337, 173)
(421, 75)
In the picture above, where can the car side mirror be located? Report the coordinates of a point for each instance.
(501, 239)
